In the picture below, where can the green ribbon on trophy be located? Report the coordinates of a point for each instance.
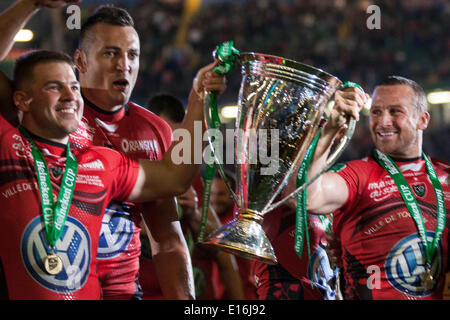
(301, 220)
(226, 54)
(54, 214)
(407, 194)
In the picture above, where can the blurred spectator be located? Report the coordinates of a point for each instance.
(329, 34)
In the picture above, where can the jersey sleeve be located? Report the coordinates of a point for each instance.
(124, 172)
(355, 174)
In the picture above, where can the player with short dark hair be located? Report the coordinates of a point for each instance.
(390, 209)
(108, 64)
(26, 62)
(48, 248)
(107, 14)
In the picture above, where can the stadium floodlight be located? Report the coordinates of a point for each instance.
(24, 35)
(438, 97)
(229, 112)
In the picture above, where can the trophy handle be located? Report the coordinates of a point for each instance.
(330, 161)
(217, 159)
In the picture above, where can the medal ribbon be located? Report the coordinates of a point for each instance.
(301, 217)
(54, 214)
(226, 54)
(408, 197)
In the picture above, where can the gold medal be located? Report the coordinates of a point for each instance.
(427, 280)
(53, 264)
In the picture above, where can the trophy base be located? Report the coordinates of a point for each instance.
(244, 237)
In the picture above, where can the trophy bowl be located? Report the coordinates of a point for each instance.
(281, 104)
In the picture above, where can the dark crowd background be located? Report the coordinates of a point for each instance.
(413, 41)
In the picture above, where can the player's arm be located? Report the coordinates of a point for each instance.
(166, 178)
(12, 20)
(192, 216)
(169, 250)
(226, 263)
(16, 17)
(329, 192)
(230, 276)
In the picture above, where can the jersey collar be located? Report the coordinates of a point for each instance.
(104, 115)
(48, 147)
(406, 159)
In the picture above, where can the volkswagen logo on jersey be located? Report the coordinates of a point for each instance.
(406, 262)
(116, 233)
(321, 274)
(73, 247)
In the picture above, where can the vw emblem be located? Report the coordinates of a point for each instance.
(116, 233)
(406, 262)
(73, 247)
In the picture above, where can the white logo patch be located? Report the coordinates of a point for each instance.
(116, 233)
(406, 262)
(320, 272)
(93, 165)
(73, 247)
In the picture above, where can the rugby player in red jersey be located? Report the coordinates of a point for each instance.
(390, 209)
(49, 99)
(48, 248)
(108, 62)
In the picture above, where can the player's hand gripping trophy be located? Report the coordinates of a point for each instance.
(281, 105)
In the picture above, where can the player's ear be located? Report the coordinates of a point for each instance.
(80, 60)
(423, 121)
(22, 100)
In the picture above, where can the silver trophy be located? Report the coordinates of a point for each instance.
(285, 100)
